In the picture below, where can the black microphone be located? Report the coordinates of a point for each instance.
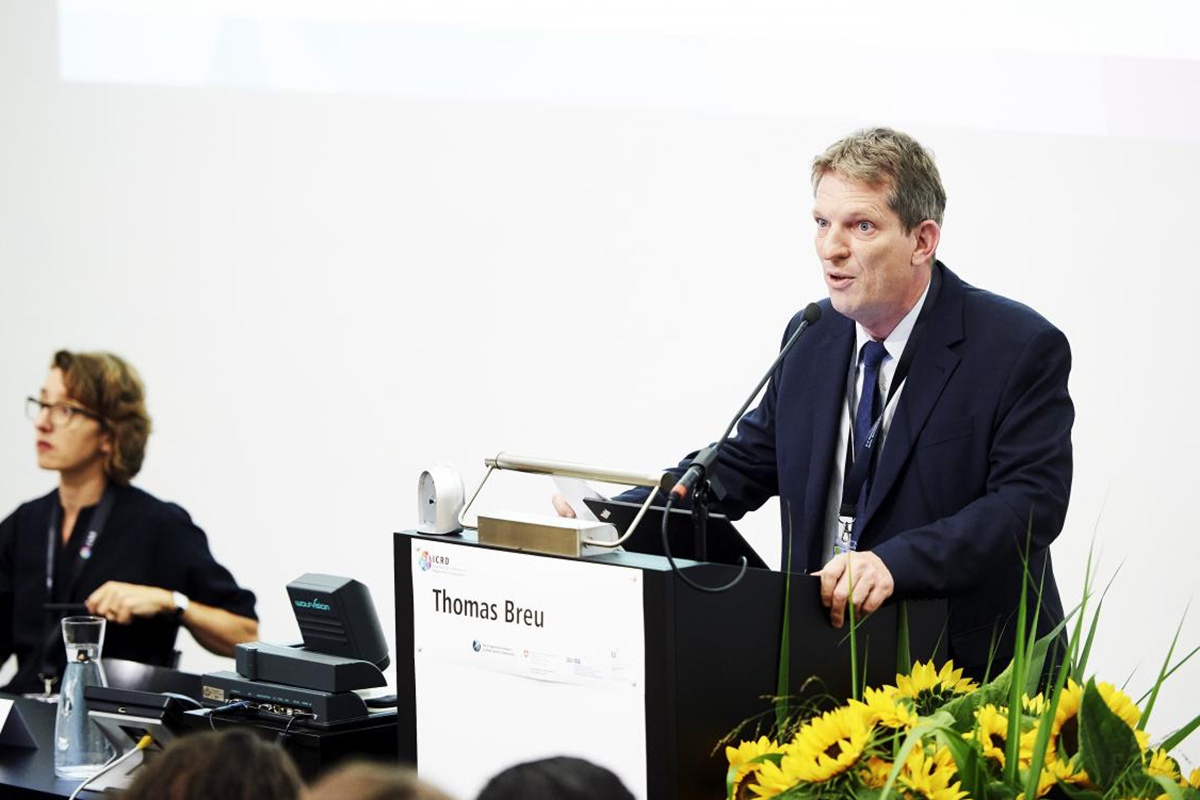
(707, 457)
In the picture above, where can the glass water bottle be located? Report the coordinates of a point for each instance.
(80, 749)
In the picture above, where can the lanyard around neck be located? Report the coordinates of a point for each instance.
(855, 479)
(95, 528)
(51, 649)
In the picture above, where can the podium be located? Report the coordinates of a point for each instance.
(506, 656)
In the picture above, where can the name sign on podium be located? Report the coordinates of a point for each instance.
(553, 650)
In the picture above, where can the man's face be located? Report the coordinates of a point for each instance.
(867, 258)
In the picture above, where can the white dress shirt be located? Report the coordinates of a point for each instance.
(894, 344)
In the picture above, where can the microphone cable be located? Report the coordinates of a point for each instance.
(114, 762)
(666, 519)
(236, 704)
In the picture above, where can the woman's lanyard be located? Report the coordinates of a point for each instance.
(53, 614)
(95, 528)
(856, 479)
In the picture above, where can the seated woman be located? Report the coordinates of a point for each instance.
(98, 545)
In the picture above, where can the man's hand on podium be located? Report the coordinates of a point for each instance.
(872, 584)
(562, 507)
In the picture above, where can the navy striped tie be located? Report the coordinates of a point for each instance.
(869, 403)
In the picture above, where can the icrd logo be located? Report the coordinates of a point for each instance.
(425, 561)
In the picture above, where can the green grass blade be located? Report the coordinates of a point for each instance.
(854, 693)
(1035, 658)
(782, 678)
(1012, 744)
(992, 648)
(1081, 667)
(1038, 652)
(1088, 577)
(1171, 672)
(1042, 742)
(914, 738)
(866, 656)
(1170, 788)
(937, 645)
(1176, 738)
(903, 645)
(1162, 672)
(1037, 612)
(971, 773)
(1128, 680)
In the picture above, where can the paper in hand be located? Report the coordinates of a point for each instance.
(576, 490)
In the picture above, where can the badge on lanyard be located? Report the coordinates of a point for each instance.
(845, 536)
(85, 552)
(99, 518)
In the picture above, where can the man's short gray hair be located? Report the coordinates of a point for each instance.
(884, 157)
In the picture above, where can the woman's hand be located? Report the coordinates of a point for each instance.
(120, 602)
(216, 629)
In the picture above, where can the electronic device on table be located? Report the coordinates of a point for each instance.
(318, 683)
(725, 543)
(125, 717)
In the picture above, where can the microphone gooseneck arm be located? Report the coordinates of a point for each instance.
(694, 482)
(704, 460)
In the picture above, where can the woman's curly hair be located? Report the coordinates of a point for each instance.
(109, 387)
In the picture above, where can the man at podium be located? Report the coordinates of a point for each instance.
(921, 431)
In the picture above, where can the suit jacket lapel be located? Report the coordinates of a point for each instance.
(824, 391)
(932, 365)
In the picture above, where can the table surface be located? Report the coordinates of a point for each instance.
(26, 773)
(30, 773)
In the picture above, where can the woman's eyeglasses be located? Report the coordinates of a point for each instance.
(61, 414)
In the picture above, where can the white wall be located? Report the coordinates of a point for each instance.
(327, 291)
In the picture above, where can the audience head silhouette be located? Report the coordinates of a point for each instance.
(561, 778)
(366, 781)
(231, 764)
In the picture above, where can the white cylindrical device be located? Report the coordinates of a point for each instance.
(439, 500)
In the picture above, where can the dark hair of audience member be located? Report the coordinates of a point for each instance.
(362, 780)
(231, 764)
(560, 778)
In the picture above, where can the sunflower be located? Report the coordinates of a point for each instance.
(742, 763)
(1034, 706)
(823, 748)
(991, 731)
(1068, 771)
(773, 779)
(931, 776)
(1162, 764)
(1045, 780)
(1057, 767)
(1056, 771)
(1064, 730)
(874, 772)
(1194, 779)
(931, 689)
(885, 707)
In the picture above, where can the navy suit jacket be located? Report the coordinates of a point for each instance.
(977, 455)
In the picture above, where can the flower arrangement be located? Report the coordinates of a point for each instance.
(1032, 731)
(939, 736)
